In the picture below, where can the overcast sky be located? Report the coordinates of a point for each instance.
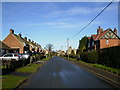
(54, 22)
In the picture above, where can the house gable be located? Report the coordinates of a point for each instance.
(109, 35)
(12, 41)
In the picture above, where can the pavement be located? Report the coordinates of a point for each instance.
(60, 73)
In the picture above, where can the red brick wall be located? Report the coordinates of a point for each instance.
(112, 42)
(12, 42)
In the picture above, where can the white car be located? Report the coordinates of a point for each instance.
(25, 55)
(11, 56)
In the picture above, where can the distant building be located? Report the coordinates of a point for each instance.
(46, 51)
(19, 44)
(75, 51)
(70, 50)
(103, 39)
(60, 53)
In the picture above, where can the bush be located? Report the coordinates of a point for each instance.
(109, 57)
(90, 57)
(72, 56)
(93, 57)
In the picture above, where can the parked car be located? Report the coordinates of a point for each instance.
(11, 56)
(25, 55)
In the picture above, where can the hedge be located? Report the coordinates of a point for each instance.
(108, 56)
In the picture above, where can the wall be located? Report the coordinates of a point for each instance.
(112, 42)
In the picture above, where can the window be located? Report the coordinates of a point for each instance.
(16, 55)
(92, 43)
(8, 55)
(107, 41)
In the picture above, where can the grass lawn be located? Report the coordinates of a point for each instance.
(9, 81)
(32, 67)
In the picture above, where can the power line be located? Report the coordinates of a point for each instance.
(92, 20)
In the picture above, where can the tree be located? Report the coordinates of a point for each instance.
(82, 44)
(49, 47)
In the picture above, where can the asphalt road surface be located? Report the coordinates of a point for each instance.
(59, 73)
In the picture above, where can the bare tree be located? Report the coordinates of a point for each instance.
(49, 47)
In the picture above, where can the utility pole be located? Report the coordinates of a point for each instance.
(61, 53)
(61, 48)
(67, 47)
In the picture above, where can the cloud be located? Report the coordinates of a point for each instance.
(73, 12)
(81, 10)
(65, 25)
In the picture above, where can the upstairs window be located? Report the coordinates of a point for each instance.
(107, 41)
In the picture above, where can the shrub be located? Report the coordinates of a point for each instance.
(108, 56)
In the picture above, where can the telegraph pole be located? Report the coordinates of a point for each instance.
(67, 47)
(61, 48)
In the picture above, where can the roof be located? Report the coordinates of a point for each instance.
(102, 34)
(89, 38)
(24, 42)
(4, 46)
(98, 37)
(94, 36)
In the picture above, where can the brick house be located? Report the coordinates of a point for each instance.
(3, 48)
(103, 39)
(19, 44)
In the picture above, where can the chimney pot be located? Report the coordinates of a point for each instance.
(99, 30)
(115, 31)
(25, 38)
(20, 35)
(29, 40)
(33, 42)
(11, 31)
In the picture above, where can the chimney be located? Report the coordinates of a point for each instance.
(25, 38)
(115, 31)
(20, 35)
(33, 42)
(29, 40)
(11, 31)
(99, 30)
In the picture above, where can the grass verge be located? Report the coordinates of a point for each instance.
(29, 68)
(9, 81)
(113, 70)
(45, 59)
(110, 69)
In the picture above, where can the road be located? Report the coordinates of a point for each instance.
(59, 73)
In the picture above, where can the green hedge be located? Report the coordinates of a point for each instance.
(90, 57)
(109, 57)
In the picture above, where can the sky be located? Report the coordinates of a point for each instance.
(54, 22)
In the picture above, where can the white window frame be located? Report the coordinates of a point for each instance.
(107, 41)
